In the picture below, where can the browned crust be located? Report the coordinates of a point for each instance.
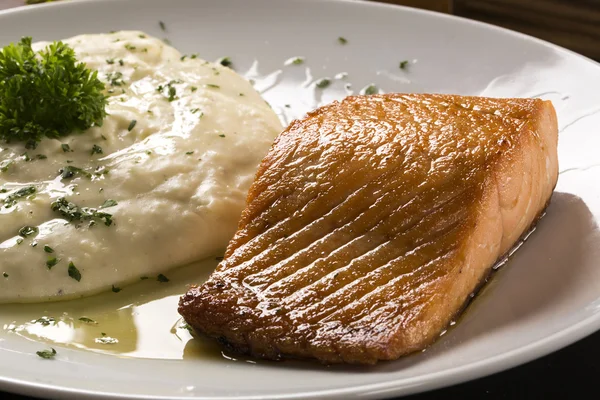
(379, 350)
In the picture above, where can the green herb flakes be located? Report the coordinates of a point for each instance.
(4, 274)
(131, 125)
(371, 89)
(161, 278)
(27, 231)
(4, 165)
(323, 83)
(47, 354)
(88, 320)
(211, 85)
(74, 213)
(48, 249)
(45, 321)
(51, 262)
(225, 61)
(115, 289)
(115, 78)
(74, 272)
(96, 149)
(162, 25)
(70, 171)
(19, 194)
(403, 64)
(109, 203)
(295, 61)
(66, 148)
(342, 40)
(106, 340)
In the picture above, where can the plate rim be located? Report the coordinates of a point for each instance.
(418, 384)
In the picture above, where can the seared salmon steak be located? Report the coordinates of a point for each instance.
(373, 220)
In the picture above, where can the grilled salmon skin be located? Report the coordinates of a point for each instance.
(371, 222)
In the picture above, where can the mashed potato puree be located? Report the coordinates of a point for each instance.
(171, 165)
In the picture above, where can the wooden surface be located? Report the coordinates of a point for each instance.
(574, 24)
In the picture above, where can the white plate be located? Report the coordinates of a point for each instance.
(548, 295)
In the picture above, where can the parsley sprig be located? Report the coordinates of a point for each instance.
(48, 93)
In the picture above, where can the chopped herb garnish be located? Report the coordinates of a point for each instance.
(142, 36)
(342, 40)
(130, 47)
(73, 96)
(193, 88)
(51, 262)
(45, 321)
(5, 164)
(4, 274)
(189, 152)
(172, 93)
(41, 156)
(143, 278)
(194, 110)
(72, 212)
(131, 125)
(109, 203)
(371, 89)
(187, 327)
(47, 354)
(15, 196)
(210, 85)
(74, 272)
(162, 278)
(88, 320)
(34, 244)
(116, 289)
(288, 106)
(222, 135)
(115, 78)
(70, 171)
(26, 157)
(162, 26)
(106, 340)
(65, 148)
(295, 61)
(27, 231)
(403, 64)
(323, 83)
(110, 61)
(241, 94)
(121, 63)
(194, 56)
(225, 61)
(96, 149)
(48, 249)
(19, 241)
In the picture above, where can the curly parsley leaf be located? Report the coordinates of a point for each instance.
(47, 93)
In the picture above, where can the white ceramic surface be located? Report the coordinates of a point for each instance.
(546, 297)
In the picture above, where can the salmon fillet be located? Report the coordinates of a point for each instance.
(372, 221)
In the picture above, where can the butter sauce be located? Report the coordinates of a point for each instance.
(142, 318)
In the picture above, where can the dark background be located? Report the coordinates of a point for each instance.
(575, 24)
